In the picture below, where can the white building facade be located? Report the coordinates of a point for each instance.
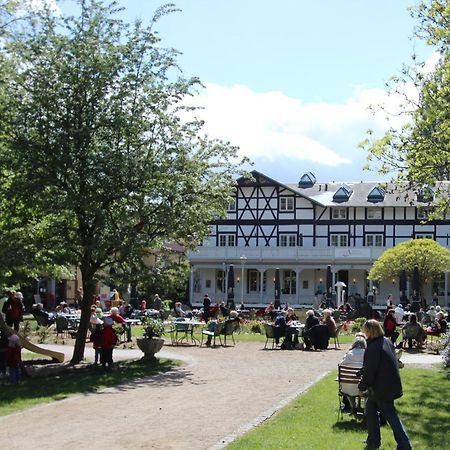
(299, 230)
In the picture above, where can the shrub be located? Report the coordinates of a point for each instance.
(358, 324)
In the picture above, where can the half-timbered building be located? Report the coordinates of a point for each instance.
(295, 231)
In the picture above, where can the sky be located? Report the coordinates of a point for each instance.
(290, 82)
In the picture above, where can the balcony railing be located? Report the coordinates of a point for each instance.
(285, 254)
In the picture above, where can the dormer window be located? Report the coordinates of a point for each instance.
(425, 195)
(376, 195)
(307, 180)
(342, 194)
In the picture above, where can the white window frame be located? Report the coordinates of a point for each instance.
(374, 240)
(286, 203)
(289, 282)
(424, 236)
(227, 240)
(339, 213)
(338, 240)
(422, 213)
(288, 240)
(232, 205)
(374, 213)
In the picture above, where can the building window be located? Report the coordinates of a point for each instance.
(288, 240)
(227, 240)
(232, 205)
(422, 213)
(374, 240)
(339, 240)
(423, 236)
(374, 213)
(286, 204)
(208, 284)
(339, 213)
(253, 280)
(220, 280)
(289, 282)
(305, 284)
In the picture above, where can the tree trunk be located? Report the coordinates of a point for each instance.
(88, 294)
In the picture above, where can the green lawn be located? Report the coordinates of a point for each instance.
(34, 391)
(311, 421)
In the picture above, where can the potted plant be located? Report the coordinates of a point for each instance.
(151, 342)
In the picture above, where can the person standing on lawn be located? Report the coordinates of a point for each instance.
(381, 380)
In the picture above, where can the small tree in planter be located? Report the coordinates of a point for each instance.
(151, 342)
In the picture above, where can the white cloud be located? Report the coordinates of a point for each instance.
(271, 126)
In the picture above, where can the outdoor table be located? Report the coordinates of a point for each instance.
(186, 329)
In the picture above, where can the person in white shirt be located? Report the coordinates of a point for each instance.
(354, 357)
(399, 313)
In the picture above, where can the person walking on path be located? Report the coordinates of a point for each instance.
(381, 380)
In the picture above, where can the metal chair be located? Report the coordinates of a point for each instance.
(349, 376)
(213, 333)
(336, 336)
(229, 329)
(270, 334)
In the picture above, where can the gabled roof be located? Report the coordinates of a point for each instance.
(261, 179)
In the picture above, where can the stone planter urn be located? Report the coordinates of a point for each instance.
(150, 346)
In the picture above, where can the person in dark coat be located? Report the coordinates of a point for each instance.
(381, 380)
(311, 321)
(206, 307)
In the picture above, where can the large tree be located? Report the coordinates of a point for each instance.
(418, 153)
(431, 258)
(96, 143)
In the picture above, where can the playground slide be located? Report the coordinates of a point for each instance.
(25, 343)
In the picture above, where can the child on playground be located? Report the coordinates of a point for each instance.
(13, 358)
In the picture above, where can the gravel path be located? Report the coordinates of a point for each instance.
(217, 394)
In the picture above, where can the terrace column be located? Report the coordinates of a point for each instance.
(297, 284)
(261, 285)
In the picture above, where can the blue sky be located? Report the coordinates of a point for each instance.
(289, 82)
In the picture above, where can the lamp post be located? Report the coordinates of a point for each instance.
(242, 258)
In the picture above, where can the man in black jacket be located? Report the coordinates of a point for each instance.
(381, 380)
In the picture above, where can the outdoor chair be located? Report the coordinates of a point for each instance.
(216, 332)
(348, 379)
(270, 334)
(62, 326)
(415, 336)
(336, 336)
(229, 329)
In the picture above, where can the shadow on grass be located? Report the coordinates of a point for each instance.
(124, 376)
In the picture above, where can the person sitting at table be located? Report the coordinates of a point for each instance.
(413, 331)
(399, 313)
(310, 321)
(179, 310)
(269, 311)
(354, 358)
(328, 320)
(390, 325)
(280, 326)
(223, 309)
(438, 326)
(291, 335)
(119, 319)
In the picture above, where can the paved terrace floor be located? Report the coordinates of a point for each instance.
(216, 395)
